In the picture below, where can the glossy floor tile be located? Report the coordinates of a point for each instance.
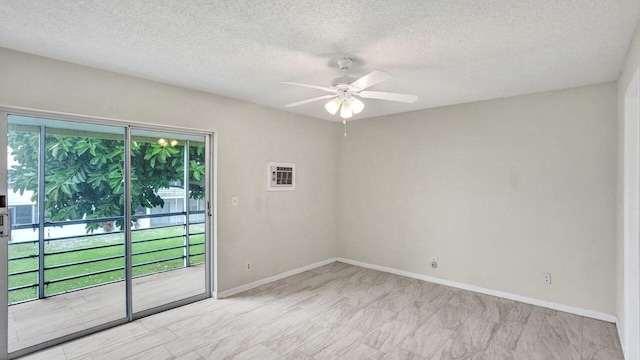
(340, 311)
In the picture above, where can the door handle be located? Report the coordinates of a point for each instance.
(5, 224)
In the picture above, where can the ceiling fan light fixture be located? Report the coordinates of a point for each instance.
(345, 111)
(344, 90)
(356, 105)
(333, 106)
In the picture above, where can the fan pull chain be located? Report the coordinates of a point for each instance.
(344, 121)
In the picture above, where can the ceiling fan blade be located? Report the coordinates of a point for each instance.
(405, 98)
(310, 100)
(323, 88)
(370, 79)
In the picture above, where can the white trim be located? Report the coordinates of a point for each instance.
(631, 219)
(4, 311)
(620, 337)
(213, 254)
(270, 279)
(546, 304)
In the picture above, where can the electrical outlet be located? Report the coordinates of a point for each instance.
(434, 263)
(247, 267)
(546, 278)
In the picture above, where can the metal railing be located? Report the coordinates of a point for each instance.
(82, 255)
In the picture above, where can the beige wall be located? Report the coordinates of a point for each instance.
(628, 70)
(275, 231)
(498, 191)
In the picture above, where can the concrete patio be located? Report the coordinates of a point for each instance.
(37, 321)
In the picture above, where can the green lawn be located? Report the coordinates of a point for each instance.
(140, 248)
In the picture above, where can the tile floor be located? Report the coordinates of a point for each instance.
(341, 311)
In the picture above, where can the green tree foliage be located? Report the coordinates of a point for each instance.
(84, 176)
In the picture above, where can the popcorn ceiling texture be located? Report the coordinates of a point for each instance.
(446, 51)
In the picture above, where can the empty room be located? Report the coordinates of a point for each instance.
(419, 179)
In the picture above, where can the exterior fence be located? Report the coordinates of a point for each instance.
(46, 267)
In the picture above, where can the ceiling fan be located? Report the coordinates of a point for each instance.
(345, 90)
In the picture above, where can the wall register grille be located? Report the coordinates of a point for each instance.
(281, 176)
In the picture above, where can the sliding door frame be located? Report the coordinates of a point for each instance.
(210, 223)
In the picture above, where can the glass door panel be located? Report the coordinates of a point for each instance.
(168, 232)
(66, 253)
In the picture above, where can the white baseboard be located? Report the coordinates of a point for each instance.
(621, 338)
(546, 304)
(270, 279)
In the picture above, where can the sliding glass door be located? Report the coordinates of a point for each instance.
(168, 233)
(66, 255)
(107, 223)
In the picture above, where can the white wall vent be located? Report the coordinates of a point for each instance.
(281, 176)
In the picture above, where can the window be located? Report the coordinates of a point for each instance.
(23, 215)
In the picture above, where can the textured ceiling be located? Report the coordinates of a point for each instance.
(445, 51)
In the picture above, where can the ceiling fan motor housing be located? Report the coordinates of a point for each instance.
(344, 94)
(342, 81)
